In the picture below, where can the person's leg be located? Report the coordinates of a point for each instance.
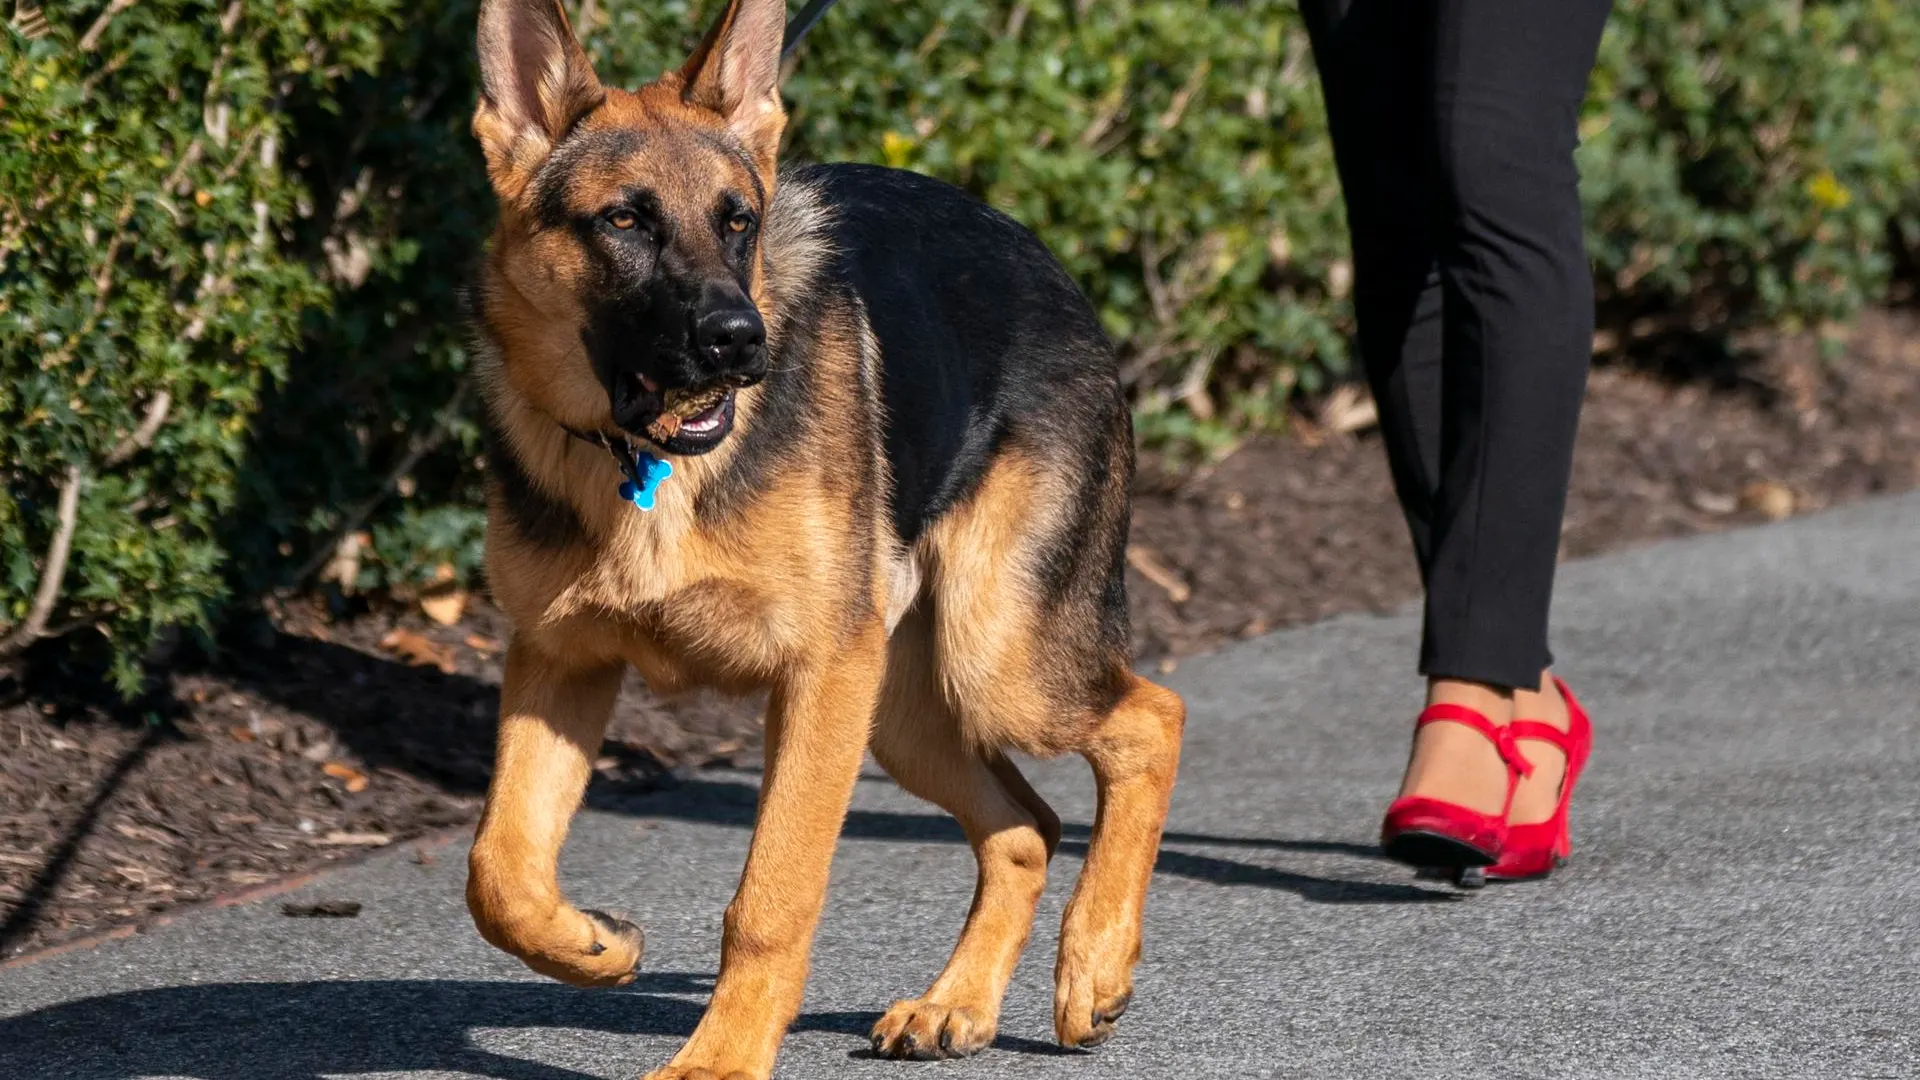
(1375, 59)
(1376, 72)
(1508, 81)
(1383, 70)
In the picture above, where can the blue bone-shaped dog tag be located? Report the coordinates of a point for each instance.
(644, 476)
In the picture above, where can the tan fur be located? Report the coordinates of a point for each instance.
(943, 658)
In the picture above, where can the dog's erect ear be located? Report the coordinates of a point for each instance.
(736, 73)
(535, 83)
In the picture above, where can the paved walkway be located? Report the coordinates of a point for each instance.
(1745, 900)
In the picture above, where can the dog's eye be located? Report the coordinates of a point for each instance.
(624, 220)
(740, 223)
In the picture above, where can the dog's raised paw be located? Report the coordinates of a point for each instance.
(614, 938)
(923, 1030)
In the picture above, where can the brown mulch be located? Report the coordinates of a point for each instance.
(316, 742)
(1291, 530)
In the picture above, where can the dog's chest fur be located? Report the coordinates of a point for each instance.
(693, 600)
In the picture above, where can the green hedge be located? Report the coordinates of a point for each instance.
(265, 210)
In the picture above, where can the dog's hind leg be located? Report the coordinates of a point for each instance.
(1031, 654)
(1012, 833)
(1134, 751)
(552, 717)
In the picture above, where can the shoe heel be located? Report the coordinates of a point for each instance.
(1425, 849)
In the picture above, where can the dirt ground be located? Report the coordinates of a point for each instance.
(321, 739)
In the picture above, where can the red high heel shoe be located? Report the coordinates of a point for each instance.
(1538, 849)
(1437, 834)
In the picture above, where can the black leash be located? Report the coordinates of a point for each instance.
(798, 26)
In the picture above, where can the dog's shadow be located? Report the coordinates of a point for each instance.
(716, 799)
(300, 1030)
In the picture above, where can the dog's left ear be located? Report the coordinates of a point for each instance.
(736, 73)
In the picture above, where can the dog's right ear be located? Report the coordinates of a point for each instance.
(535, 84)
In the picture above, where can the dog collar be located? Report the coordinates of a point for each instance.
(644, 472)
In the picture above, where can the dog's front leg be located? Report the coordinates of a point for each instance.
(817, 726)
(552, 717)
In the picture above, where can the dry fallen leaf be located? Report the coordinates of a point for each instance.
(343, 569)
(482, 643)
(1712, 502)
(1339, 278)
(355, 780)
(1773, 501)
(351, 839)
(1148, 563)
(418, 651)
(144, 833)
(242, 733)
(1348, 409)
(134, 877)
(445, 608)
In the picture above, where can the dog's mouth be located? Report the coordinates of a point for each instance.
(687, 420)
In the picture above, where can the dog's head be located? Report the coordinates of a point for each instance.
(629, 235)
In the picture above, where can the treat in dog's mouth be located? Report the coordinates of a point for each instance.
(683, 420)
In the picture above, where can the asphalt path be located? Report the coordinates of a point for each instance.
(1744, 900)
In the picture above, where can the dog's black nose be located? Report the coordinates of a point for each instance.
(732, 343)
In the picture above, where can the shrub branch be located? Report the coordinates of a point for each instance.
(48, 592)
(419, 447)
(141, 437)
(92, 37)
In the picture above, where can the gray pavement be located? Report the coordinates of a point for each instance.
(1744, 901)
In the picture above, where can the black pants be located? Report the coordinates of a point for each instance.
(1454, 124)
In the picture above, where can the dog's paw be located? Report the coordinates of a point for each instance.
(1092, 985)
(923, 1030)
(618, 939)
(698, 1072)
(583, 948)
(1084, 1013)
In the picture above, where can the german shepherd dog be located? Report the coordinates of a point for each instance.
(898, 504)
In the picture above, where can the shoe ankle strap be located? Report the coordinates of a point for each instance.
(1504, 739)
(1545, 732)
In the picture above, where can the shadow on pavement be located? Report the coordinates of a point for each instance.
(731, 803)
(298, 1030)
(47, 877)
